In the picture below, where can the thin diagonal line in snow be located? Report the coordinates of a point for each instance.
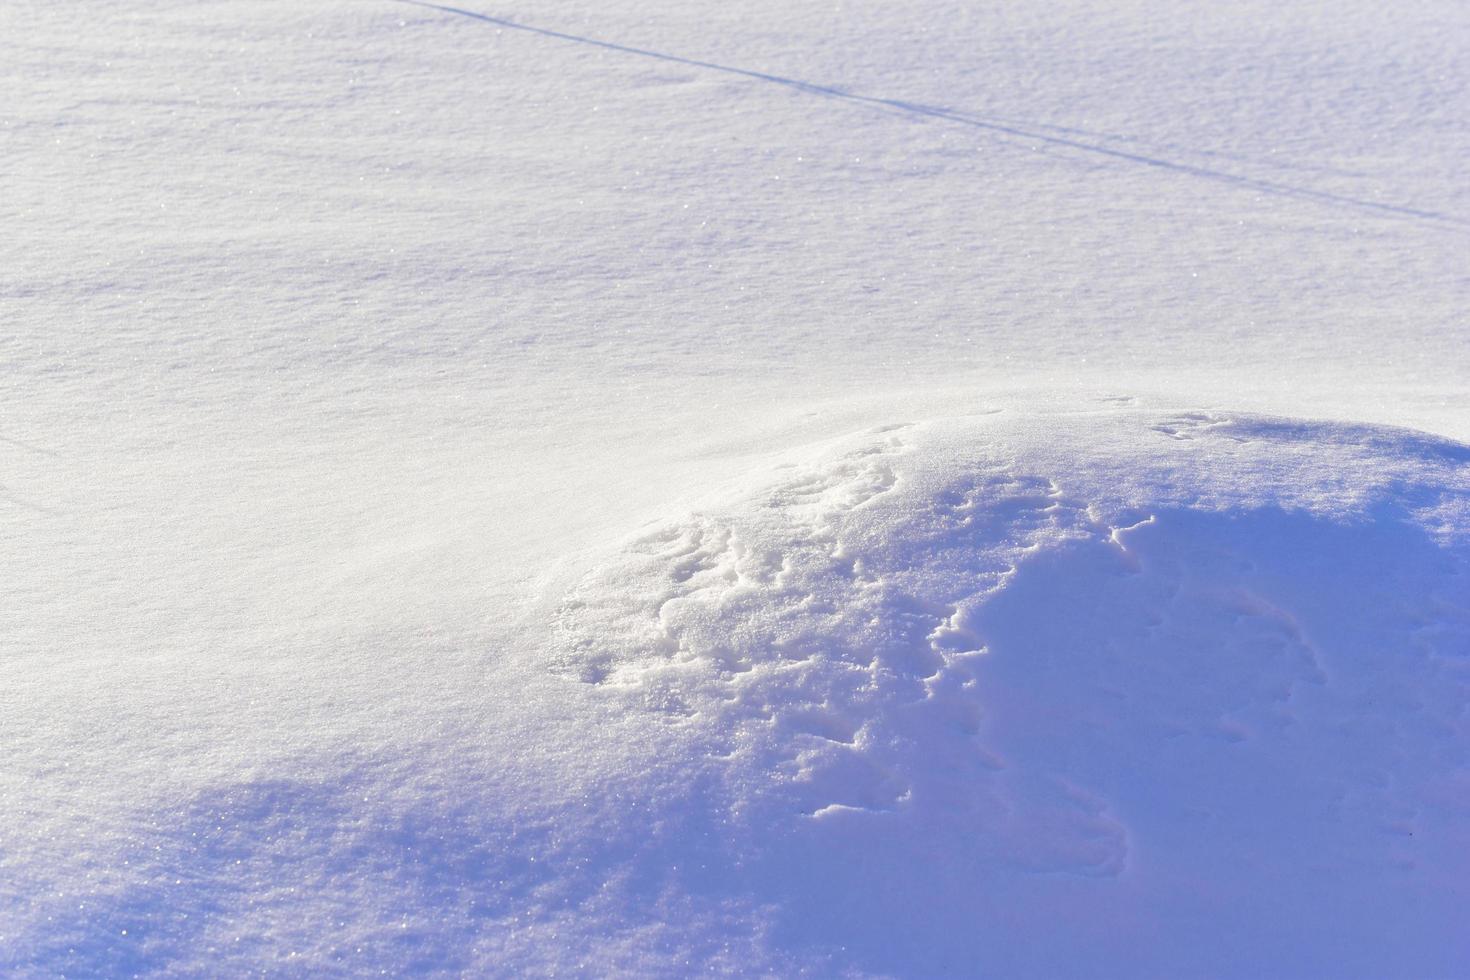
(950, 115)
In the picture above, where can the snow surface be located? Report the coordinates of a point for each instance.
(922, 489)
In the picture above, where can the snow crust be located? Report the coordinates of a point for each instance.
(924, 489)
(1102, 663)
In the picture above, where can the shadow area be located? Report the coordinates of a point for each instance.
(1055, 136)
(358, 874)
(1226, 744)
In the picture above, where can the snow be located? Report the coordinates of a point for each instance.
(859, 489)
(942, 667)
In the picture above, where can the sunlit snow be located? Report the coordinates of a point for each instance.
(762, 489)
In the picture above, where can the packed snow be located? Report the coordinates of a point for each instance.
(611, 489)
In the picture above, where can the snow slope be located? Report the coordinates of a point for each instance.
(947, 681)
(922, 489)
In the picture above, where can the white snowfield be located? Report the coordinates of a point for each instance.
(609, 489)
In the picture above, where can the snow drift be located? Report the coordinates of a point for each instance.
(949, 681)
(1015, 693)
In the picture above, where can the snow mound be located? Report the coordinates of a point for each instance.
(1201, 657)
(1021, 694)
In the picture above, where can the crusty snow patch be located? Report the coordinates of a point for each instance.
(1218, 661)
